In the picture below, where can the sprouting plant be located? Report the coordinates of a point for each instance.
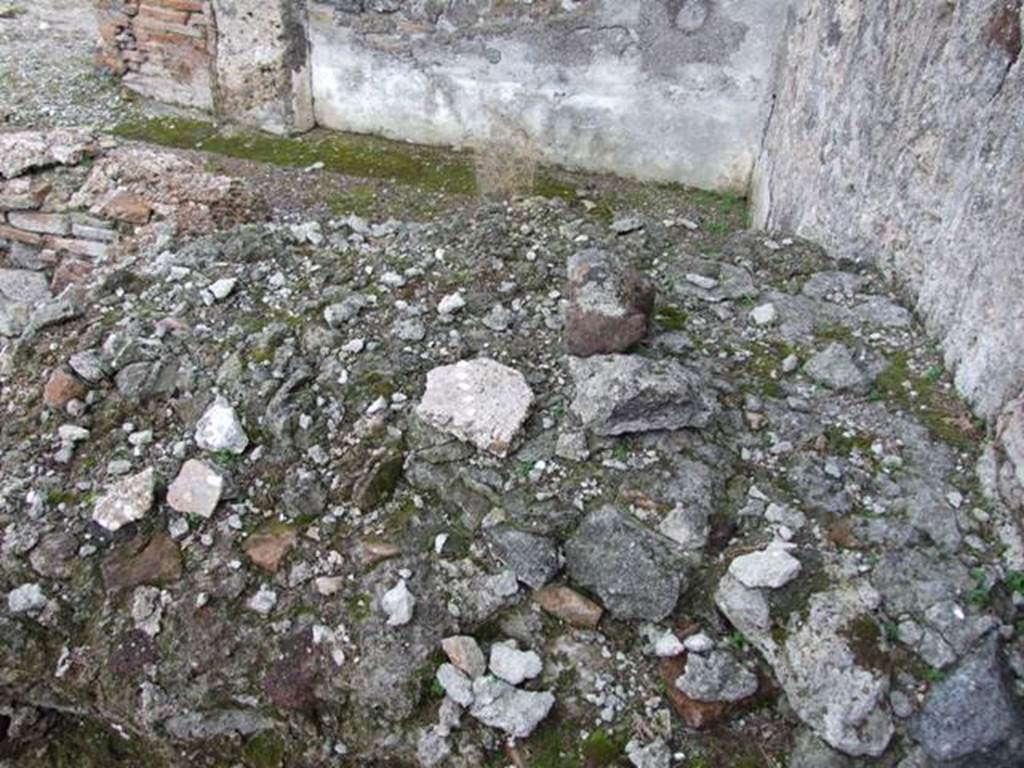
(1015, 582)
(979, 594)
(738, 641)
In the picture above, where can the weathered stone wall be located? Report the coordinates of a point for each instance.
(672, 90)
(897, 136)
(262, 69)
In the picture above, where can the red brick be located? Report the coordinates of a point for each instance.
(192, 6)
(43, 223)
(70, 272)
(79, 247)
(148, 14)
(20, 235)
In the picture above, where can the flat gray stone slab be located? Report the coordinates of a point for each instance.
(619, 394)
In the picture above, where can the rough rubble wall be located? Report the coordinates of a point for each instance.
(163, 48)
(670, 89)
(898, 136)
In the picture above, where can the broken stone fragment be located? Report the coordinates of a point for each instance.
(479, 401)
(773, 567)
(196, 490)
(89, 365)
(220, 429)
(262, 601)
(609, 304)
(456, 684)
(764, 314)
(512, 665)
(514, 711)
(125, 206)
(23, 151)
(268, 546)
(532, 557)
(28, 598)
(373, 551)
(464, 652)
(717, 677)
(825, 678)
(635, 571)
(398, 603)
(620, 394)
(569, 605)
(126, 501)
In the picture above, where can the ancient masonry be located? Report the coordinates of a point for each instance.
(70, 201)
(162, 47)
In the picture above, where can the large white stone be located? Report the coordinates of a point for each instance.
(126, 502)
(512, 665)
(772, 568)
(196, 490)
(480, 401)
(28, 598)
(514, 711)
(220, 429)
(398, 603)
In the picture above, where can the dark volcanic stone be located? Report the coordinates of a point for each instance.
(636, 572)
(138, 561)
(609, 304)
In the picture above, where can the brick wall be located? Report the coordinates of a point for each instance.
(164, 49)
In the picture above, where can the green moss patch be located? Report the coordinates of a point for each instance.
(944, 415)
(351, 155)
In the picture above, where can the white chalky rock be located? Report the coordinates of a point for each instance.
(699, 643)
(451, 304)
(668, 645)
(456, 684)
(196, 490)
(221, 289)
(500, 705)
(772, 568)
(480, 401)
(398, 603)
(764, 314)
(220, 429)
(512, 665)
(263, 601)
(126, 501)
(28, 598)
(707, 283)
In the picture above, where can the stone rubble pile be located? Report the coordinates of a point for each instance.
(304, 487)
